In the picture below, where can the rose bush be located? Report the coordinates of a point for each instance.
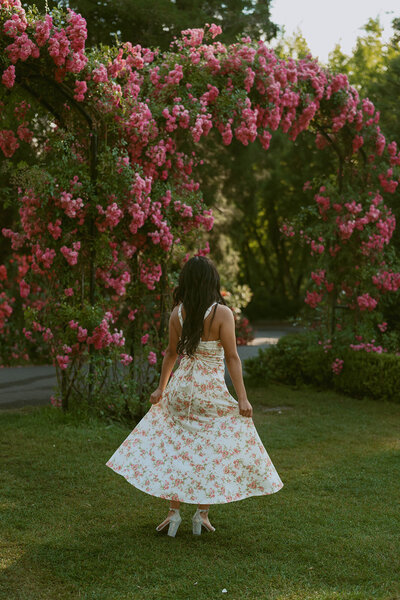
(110, 201)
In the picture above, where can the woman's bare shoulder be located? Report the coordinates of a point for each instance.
(224, 312)
(174, 312)
(174, 319)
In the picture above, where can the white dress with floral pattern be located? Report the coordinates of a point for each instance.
(193, 445)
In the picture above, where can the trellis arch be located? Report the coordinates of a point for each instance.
(113, 190)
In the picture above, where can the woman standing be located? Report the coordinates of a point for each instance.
(197, 444)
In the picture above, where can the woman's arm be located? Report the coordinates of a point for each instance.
(169, 360)
(233, 362)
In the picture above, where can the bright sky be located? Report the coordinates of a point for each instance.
(324, 23)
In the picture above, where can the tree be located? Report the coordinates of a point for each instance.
(154, 24)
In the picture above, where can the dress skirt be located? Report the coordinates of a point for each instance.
(194, 446)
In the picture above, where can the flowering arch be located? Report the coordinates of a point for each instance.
(112, 190)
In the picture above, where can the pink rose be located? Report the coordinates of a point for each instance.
(152, 358)
(8, 77)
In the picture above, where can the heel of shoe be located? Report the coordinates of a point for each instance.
(198, 523)
(174, 523)
(173, 528)
(196, 527)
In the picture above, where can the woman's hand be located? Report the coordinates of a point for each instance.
(156, 396)
(245, 408)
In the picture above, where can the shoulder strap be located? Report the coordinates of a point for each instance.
(209, 310)
(180, 314)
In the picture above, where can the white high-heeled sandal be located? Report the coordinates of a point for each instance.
(198, 522)
(174, 521)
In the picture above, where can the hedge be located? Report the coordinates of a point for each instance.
(297, 359)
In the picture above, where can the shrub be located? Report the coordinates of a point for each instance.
(256, 369)
(295, 359)
(299, 359)
(370, 374)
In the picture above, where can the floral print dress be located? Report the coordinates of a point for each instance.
(193, 445)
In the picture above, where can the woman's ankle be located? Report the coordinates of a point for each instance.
(174, 504)
(203, 506)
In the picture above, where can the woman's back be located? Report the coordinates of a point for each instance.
(212, 322)
(218, 329)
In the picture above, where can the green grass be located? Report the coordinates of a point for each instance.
(72, 528)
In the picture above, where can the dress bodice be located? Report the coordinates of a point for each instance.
(206, 362)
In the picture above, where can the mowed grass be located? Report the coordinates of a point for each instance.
(73, 528)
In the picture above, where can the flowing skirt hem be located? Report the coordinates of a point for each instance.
(218, 500)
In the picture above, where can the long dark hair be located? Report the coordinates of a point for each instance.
(198, 288)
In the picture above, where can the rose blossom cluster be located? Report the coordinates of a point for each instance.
(71, 206)
(71, 255)
(8, 142)
(118, 283)
(65, 46)
(150, 274)
(101, 336)
(313, 298)
(368, 347)
(368, 226)
(387, 281)
(113, 214)
(337, 366)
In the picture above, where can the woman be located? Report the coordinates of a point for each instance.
(197, 444)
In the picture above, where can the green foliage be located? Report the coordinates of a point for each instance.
(116, 393)
(369, 60)
(155, 23)
(294, 46)
(257, 369)
(237, 296)
(253, 191)
(295, 359)
(370, 374)
(298, 359)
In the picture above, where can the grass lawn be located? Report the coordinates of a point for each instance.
(72, 528)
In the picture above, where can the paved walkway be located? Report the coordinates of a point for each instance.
(33, 385)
